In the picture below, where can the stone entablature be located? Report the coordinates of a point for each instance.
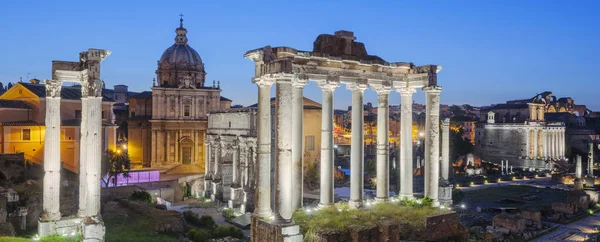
(170, 103)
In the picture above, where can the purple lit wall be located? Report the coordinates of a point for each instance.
(134, 178)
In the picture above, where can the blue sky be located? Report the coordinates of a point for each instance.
(490, 51)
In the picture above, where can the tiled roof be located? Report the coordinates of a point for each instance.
(14, 104)
(66, 92)
(225, 99)
(21, 123)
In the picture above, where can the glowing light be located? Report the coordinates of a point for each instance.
(463, 206)
(118, 151)
(442, 207)
(124, 147)
(498, 179)
(472, 183)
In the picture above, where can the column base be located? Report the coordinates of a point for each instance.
(94, 231)
(324, 205)
(356, 204)
(217, 193)
(382, 199)
(445, 195)
(590, 181)
(407, 196)
(235, 201)
(269, 231)
(207, 188)
(65, 227)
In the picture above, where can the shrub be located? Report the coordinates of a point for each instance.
(142, 196)
(199, 235)
(191, 217)
(478, 180)
(206, 222)
(226, 231)
(228, 213)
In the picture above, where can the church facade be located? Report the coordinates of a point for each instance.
(167, 127)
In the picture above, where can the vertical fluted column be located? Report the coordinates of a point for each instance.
(527, 143)
(552, 140)
(591, 159)
(297, 137)
(263, 179)
(51, 192)
(283, 167)
(357, 145)
(563, 143)
(383, 141)
(236, 166)
(82, 158)
(327, 143)
(535, 144)
(544, 144)
(406, 150)
(217, 161)
(578, 168)
(94, 145)
(432, 142)
(207, 160)
(446, 149)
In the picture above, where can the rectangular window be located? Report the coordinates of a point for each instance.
(186, 110)
(26, 134)
(310, 142)
(77, 114)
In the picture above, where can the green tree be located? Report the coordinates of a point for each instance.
(113, 164)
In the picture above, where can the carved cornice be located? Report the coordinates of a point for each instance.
(409, 91)
(53, 88)
(382, 88)
(328, 85)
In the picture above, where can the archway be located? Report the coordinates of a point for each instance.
(186, 150)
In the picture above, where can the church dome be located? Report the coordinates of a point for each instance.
(180, 61)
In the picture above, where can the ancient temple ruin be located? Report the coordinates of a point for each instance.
(335, 59)
(88, 222)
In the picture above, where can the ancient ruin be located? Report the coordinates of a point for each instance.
(335, 59)
(87, 73)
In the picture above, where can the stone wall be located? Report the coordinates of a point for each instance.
(513, 223)
(566, 208)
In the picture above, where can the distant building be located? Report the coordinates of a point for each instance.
(519, 132)
(167, 126)
(232, 135)
(22, 117)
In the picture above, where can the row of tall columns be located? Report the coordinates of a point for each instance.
(406, 150)
(327, 143)
(432, 142)
(357, 145)
(545, 143)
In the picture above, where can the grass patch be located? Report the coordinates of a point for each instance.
(133, 227)
(14, 239)
(340, 218)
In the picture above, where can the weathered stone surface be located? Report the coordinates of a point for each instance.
(580, 199)
(262, 230)
(566, 208)
(534, 217)
(7, 229)
(365, 234)
(445, 227)
(511, 222)
(333, 236)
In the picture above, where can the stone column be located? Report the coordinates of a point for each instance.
(544, 144)
(263, 178)
(406, 149)
(207, 167)
(297, 144)
(446, 149)
(235, 185)
(168, 149)
(563, 143)
(383, 141)
(432, 142)
(82, 158)
(94, 144)
(591, 159)
(327, 143)
(357, 145)
(535, 144)
(283, 167)
(216, 182)
(578, 174)
(52, 165)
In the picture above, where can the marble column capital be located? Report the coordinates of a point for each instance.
(53, 88)
(300, 81)
(263, 82)
(382, 89)
(406, 91)
(328, 85)
(357, 86)
(433, 89)
(446, 122)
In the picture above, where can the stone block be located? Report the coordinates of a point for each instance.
(513, 223)
(93, 232)
(534, 217)
(365, 234)
(445, 195)
(268, 231)
(444, 227)
(566, 208)
(389, 231)
(594, 196)
(580, 199)
(65, 226)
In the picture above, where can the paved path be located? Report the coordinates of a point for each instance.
(542, 181)
(576, 231)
